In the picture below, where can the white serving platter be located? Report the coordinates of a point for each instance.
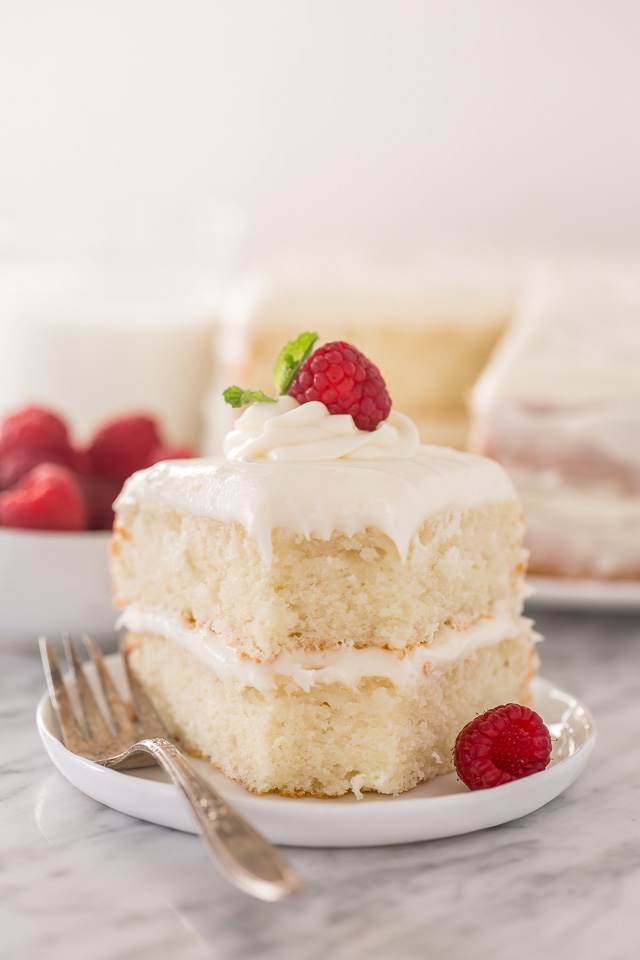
(563, 593)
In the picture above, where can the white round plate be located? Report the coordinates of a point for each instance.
(441, 808)
(563, 593)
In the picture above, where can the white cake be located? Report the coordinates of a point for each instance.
(429, 322)
(322, 609)
(559, 407)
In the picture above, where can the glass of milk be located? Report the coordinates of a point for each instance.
(114, 314)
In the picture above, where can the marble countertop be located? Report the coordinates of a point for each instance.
(79, 880)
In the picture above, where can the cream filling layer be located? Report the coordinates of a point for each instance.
(347, 665)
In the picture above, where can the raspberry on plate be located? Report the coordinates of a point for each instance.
(122, 446)
(34, 428)
(344, 380)
(47, 498)
(504, 744)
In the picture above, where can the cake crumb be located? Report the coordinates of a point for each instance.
(369, 554)
(356, 785)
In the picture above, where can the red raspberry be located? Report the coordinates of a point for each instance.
(122, 446)
(48, 498)
(99, 495)
(80, 462)
(344, 380)
(170, 451)
(17, 463)
(504, 744)
(34, 428)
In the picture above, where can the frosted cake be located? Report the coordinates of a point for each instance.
(321, 609)
(559, 407)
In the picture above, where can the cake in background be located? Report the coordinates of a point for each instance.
(322, 609)
(559, 407)
(429, 320)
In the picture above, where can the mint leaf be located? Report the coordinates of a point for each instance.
(292, 355)
(237, 397)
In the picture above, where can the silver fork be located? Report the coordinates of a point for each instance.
(133, 735)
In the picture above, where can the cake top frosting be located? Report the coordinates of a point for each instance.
(314, 468)
(313, 499)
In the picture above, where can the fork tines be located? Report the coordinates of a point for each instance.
(89, 727)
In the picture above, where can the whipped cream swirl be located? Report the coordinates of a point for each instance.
(288, 430)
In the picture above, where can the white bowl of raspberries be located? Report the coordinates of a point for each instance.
(55, 519)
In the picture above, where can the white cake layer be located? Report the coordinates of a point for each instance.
(413, 287)
(347, 665)
(333, 738)
(316, 499)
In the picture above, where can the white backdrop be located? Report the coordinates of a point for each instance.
(506, 119)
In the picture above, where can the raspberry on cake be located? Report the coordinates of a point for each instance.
(429, 320)
(342, 378)
(321, 609)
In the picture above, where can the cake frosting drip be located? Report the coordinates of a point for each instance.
(287, 430)
(347, 665)
(317, 498)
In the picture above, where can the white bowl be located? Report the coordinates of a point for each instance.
(50, 582)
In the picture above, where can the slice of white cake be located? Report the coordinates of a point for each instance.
(324, 608)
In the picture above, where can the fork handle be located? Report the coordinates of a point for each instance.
(245, 858)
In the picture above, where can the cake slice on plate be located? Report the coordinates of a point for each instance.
(322, 609)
